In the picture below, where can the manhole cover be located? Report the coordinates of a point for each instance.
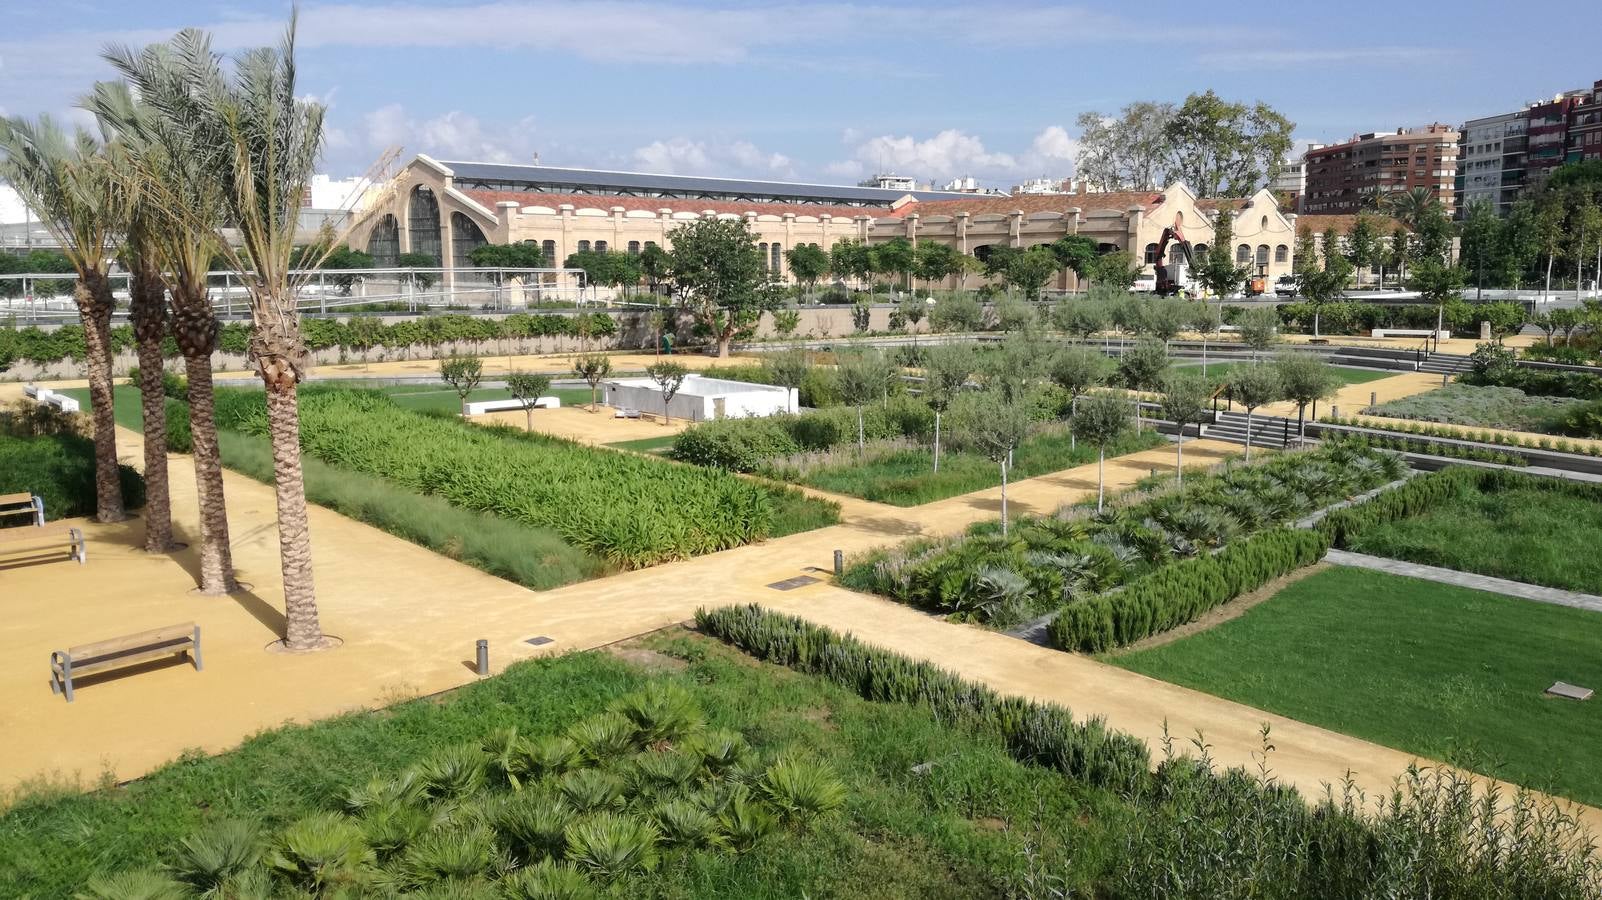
(540, 641)
(790, 584)
(1570, 691)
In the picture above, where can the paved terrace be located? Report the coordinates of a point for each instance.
(409, 618)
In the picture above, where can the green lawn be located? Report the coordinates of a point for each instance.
(1445, 672)
(964, 830)
(906, 477)
(1525, 535)
(1217, 372)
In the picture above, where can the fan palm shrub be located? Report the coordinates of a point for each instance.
(662, 713)
(454, 772)
(321, 852)
(550, 880)
(611, 846)
(720, 749)
(802, 791)
(744, 822)
(451, 854)
(605, 737)
(208, 860)
(534, 825)
(139, 884)
(547, 755)
(685, 824)
(664, 773)
(589, 790)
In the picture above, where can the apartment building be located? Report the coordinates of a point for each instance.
(1504, 157)
(1358, 174)
(1292, 178)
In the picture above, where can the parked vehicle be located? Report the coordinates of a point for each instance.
(1286, 286)
(1145, 284)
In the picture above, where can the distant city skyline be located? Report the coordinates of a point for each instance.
(826, 92)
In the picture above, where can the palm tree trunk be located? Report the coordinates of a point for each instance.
(301, 628)
(216, 554)
(148, 309)
(93, 297)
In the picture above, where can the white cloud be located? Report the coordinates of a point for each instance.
(683, 156)
(952, 153)
(453, 135)
(1281, 59)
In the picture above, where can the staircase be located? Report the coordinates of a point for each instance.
(1267, 431)
(1445, 364)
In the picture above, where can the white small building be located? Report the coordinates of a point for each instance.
(701, 398)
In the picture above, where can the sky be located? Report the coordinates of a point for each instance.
(825, 92)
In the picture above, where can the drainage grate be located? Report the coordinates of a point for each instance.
(790, 584)
(540, 641)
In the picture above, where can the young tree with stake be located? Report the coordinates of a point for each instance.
(1142, 368)
(864, 375)
(669, 377)
(946, 370)
(1259, 329)
(593, 368)
(1207, 321)
(463, 374)
(1101, 419)
(1184, 402)
(1077, 370)
(997, 424)
(1305, 378)
(1252, 386)
(526, 388)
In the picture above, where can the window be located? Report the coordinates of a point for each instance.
(762, 251)
(776, 261)
(583, 246)
(384, 243)
(634, 248)
(1199, 251)
(465, 235)
(650, 243)
(1243, 255)
(1265, 223)
(600, 246)
(1262, 254)
(423, 221)
(548, 249)
(1281, 254)
(1151, 254)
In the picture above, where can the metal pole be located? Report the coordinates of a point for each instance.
(483, 658)
(839, 562)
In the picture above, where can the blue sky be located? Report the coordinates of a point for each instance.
(829, 91)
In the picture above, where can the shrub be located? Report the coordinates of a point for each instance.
(956, 312)
(61, 469)
(744, 445)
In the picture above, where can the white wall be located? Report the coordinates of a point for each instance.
(700, 399)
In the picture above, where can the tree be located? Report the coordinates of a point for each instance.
(786, 321)
(1218, 272)
(1585, 225)
(1080, 318)
(851, 258)
(1321, 285)
(895, 257)
(526, 388)
(1074, 252)
(669, 377)
(1251, 387)
(1401, 252)
(69, 184)
(719, 275)
(1166, 317)
(1030, 270)
(1482, 241)
(1259, 329)
(1361, 242)
(1223, 149)
(1505, 318)
(190, 203)
(1100, 420)
(253, 134)
(1437, 283)
(1077, 370)
(1411, 207)
(463, 373)
(1305, 378)
(946, 369)
(655, 264)
(996, 424)
(1207, 321)
(593, 368)
(1014, 314)
(1126, 152)
(415, 261)
(1116, 269)
(1184, 402)
(864, 376)
(1142, 368)
(808, 263)
(526, 255)
(912, 310)
(934, 261)
(787, 368)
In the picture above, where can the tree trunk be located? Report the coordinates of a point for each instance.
(216, 555)
(1204, 354)
(528, 413)
(723, 344)
(302, 630)
(93, 297)
(1248, 435)
(1548, 289)
(1179, 454)
(1315, 322)
(1101, 476)
(861, 445)
(937, 443)
(147, 308)
(1003, 498)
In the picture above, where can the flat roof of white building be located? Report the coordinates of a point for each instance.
(704, 386)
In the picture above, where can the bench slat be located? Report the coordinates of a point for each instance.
(21, 533)
(118, 660)
(22, 499)
(161, 635)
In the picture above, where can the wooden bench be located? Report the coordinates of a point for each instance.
(1410, 332)
(45, 537)
(22, 504)
(101, 656)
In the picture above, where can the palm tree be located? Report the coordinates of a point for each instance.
(190, 206)
(72, 187)
(1412, 206)
(248, 130)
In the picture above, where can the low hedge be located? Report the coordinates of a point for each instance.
(1424, 492)
(1034, 732)
(61, 469)
(1539, 382)
(1181, 592)
(742, 445)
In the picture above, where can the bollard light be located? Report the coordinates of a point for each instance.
(839, 562)
(483, 658)
(1373, 398)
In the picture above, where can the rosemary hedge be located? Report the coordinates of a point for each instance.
(1181, 592)
(632, 510)
(1040, 733)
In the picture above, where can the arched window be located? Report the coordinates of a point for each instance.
(1265, 223)
(762, 252)
(583, 246)
(384, 243)
(1151, 254)
(1262, 254)
(650, 243)
(982, 252)
(465, 235)
(1281, 254)
(548, 249)
(634, 248)
(1243, 254)
(1174, 253)
(1198, 251)
(600, 246)
(423, 222)
(775, 261)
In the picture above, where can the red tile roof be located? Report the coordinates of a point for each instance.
(1343, 223)
(652, 204)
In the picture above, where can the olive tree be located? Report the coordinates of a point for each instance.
(526, 388)
(1100, 420)
(463, 374)
(1305, 378)
(1259, 329)
(1252, 386)
(1184, 402)
(996, 423)
(864, 376)
(946, 369)
(1077, 370)
(669, 377)
(1142, 368)
(593, 368)
(1206, 321)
